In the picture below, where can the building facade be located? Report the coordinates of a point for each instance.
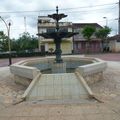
(46, 24)
(114, 43)
(80, 44)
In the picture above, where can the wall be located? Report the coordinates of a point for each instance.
(81, 47)
(92, 73)
(65, 46)
(117, 46)
(114, 46)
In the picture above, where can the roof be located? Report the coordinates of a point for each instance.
(78, 25)
(115, 37)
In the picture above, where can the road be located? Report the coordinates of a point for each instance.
(105, 56)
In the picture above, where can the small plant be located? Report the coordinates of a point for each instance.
(51, 50)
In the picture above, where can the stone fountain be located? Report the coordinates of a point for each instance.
(58, 86)
(58, 66)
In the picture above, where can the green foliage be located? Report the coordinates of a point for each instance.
(25, 42)
(51, 50)
(14, 45)
(88, 31)
(3, 42)
(103, 33)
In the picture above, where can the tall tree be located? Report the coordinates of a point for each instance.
(27, 42)
(3, 42)
(87, 32)
(103, 34)
(14, 45)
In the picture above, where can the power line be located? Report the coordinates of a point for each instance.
(85, 11)
(113, 19)
(37, 11)
(94, 10)
(91, 6)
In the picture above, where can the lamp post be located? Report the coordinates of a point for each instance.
(8, 35)
(106, 21)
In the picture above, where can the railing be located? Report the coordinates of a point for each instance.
(54, 24)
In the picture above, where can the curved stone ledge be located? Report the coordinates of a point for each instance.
(92, 68)
(91, 72)
(24, 71)
(23, 74)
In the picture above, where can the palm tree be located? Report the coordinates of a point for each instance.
(87, 32)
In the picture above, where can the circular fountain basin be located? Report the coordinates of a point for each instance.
(90, 68)
(71, 63)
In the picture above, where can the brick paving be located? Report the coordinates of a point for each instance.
(107, 56)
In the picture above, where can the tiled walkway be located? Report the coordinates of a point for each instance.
(58, 87)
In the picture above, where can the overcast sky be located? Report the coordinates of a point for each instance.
(80, 11)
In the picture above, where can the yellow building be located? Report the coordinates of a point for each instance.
(46, 24)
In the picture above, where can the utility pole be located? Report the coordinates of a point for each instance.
(9, 44)
(25, 24)
(106, 21)
(119, 18)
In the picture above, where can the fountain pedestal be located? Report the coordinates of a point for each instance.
(58, 67)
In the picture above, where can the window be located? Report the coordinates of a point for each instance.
(63, 29)
(49, 30)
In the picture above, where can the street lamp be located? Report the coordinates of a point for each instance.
(8, 35)
(106, 21)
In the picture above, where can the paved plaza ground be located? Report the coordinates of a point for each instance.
(104, 56)
(107, 91)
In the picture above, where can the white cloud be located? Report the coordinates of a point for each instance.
(90, 14)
